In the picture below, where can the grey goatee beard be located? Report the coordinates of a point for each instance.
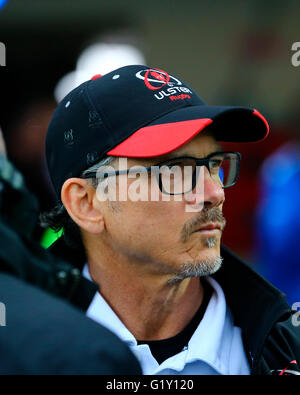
(204, 267)
(211, 242)
(197, 269)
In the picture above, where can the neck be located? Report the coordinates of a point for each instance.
(149, 305)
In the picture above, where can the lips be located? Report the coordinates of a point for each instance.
(210, 226)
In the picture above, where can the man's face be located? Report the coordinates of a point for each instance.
(162, 235)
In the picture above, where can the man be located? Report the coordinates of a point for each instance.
(43, 329)
(181, 301)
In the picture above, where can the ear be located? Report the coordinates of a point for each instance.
(78, 197)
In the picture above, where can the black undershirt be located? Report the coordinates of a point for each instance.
(164, 349)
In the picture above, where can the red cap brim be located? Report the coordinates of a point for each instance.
(235, 124)
(159, 139)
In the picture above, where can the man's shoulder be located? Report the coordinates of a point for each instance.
(239, 278)
(258, 308)
(281, 351)
(44, 334)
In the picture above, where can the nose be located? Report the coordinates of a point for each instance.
(207, 192)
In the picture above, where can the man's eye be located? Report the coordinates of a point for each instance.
(171, 168)
(215, 163)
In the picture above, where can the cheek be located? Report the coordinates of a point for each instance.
(151, 224)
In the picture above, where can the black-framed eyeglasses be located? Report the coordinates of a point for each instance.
(178, 176)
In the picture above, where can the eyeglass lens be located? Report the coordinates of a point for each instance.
(180, 176)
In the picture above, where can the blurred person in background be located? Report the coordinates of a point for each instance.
(241, 235)
(183, 302)
(255, 49)
(43, 329)
(278, 214)
(25, 143)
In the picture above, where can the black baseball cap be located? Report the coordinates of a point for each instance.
(136, 111)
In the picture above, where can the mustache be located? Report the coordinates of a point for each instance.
(204, 217)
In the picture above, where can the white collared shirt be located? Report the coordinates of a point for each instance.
(216, 346)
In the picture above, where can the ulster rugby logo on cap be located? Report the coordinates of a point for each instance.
(156, 79)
